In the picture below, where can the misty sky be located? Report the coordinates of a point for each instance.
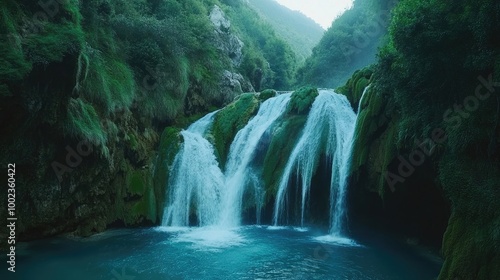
(321, 11)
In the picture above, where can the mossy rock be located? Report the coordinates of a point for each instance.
(170, 144)
(229, 121)
(368, 125)
(266, 94)
(356, 85)
(140, 200)
(285, 135)
(302, 100)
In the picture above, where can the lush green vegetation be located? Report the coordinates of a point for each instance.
(299, 31)
(349, 44)
(269, 61)
(439, 70)
(115, 73)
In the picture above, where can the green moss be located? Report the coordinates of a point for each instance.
(139, 197)
(383, 155)
(185, 121)
(367, 124)
(26, 41)
(471, 244)
(146, 207)
(135, 182)
(284, 138)
(302, 100)
(266, 94)
(230, 120)
(131, 139)
(356, 85)
(170, 143)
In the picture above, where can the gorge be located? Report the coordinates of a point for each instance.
(212, 139)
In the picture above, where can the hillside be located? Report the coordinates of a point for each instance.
(350, 43)
(111, 75)
(298, 30)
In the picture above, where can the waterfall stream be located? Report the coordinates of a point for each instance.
(196, 180)
(199, 188)
(329, 129)
(238, 174)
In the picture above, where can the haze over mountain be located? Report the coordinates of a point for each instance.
(299, 31)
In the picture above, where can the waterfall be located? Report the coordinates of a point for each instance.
(329, 129)
(195, 180)
(199, 188)
(338, 208)
(238, 174)
(197, 183)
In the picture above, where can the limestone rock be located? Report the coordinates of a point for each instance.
(225, 40)
(233, 84)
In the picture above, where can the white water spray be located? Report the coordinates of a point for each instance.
(195, 181)
(329, 129)
(238, 174)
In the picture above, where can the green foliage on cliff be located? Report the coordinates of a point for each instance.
(472, 240)
(269, 60)
(229, 121)
(105, 80)
(84, 123)
(439, 70)
(355, 86)
(114, 72)
(298, 30)
(350, 43)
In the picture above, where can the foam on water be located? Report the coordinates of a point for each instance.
(337, 240)
(210, 238)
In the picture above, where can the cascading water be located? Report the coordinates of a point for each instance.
(198, 187)
(195, 180)
(338, 208)
(238, 174)
(197, 183)
(329, 129)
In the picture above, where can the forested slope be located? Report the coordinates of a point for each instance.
(299, 31)
(350, 43)
(428, 133)
(86, 87)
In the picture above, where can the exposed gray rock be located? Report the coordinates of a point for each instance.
(219, 20)
(233, 84)
(226, 41)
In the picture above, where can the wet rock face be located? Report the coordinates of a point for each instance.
(225, 40)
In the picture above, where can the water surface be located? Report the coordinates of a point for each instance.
(250, 252)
